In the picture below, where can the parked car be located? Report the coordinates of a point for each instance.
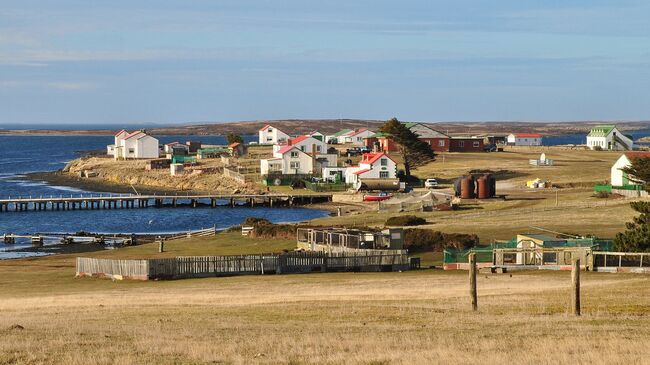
(355, 151)
(431, 183)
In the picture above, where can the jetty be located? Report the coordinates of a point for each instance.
(132, 201)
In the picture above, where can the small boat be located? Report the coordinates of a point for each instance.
(376, 197)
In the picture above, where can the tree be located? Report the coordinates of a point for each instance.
(636, 238)
(233, 138)
(414, 151)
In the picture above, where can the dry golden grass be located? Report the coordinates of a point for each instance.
(371, 318)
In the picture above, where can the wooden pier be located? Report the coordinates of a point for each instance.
(131, 201)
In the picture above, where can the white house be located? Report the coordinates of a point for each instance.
(608, 137)
(136, 144)
(318, 135)
(525, 139)
(620, 178)
(357, 138)
(338, 137)
(272, 135)
(291, 160)
(307, 144)
(372, 166)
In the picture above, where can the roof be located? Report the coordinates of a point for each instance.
(171, 143)
(410, 125)
(361, 171)
(233, 145)
(637, 154)
(527, 135)
(133, 134)
(120, 132)
(343, 132)
(299, 139)
(601, 130)
(424, 131)
(360, 131)
(286, 149)
(370, 158)
(269, 126)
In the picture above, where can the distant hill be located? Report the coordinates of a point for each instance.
(302, 126)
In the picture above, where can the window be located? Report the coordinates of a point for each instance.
(318, 148)
(270, 130)
(384, 162)
(294, 154)
(441, 143)
(131, 151)
(359, 139)
(302, 148)
(476, 144)
(461, 144)
(383, 174)
(269, 138)
(294, 165)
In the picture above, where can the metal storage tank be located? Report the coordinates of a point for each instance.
(493, 186)
(467, 187)
(483, 188)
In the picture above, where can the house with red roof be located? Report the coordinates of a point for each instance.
(271, 135)
(619, 178)
(358, 137)
(524, 139)
(309, 144)
(376, 165)
(293, 160)
(137, 144)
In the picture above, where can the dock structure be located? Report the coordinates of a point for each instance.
(132, 201)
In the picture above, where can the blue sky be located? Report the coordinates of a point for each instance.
(185, 61)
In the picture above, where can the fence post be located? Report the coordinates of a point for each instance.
(472, 281)
(575, 287)
(161, 245)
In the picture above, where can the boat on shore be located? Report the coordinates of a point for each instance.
(377, 197)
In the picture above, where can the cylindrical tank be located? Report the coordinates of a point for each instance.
(467, 187)
(483, 188)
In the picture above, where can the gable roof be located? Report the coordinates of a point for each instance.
(424, 131)
(286, 149)
(637, 154)
(120, 132)
(361, 130)
(343, 132)
(233, 145)
(602, 130)
(300, 139)
(359, 172)
(133, 134)
(370, 158)
(270, 126)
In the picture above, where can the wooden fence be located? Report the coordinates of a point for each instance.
(199, 233)
(205, 266)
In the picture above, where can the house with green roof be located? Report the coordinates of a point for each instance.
(608, 137)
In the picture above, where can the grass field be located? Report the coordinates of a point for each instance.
(356, 318)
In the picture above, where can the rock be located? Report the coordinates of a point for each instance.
(16, 327)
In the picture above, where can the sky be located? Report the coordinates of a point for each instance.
(189, 61)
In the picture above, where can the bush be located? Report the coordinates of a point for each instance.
(424, 240)
(263, 228)
(602, 195)
(405, 220)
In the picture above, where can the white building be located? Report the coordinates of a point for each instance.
(525, 139)
(357, 138)
(318, 135)
(136, 144)
(308, 144)
(291, 160)
(272, 135)
(372, 166)
(608, 137)
(618, 176)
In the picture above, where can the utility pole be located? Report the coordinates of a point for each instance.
(472, 281)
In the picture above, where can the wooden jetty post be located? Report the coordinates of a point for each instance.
(472, 281)
(161, 245)
(575, 287)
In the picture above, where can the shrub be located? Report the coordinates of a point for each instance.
(602, 194)
(263, 228)
(405, 220)
(422, 240)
